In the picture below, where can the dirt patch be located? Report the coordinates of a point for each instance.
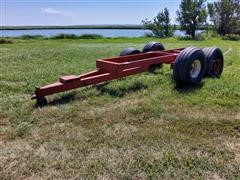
(238, 116)
(120, 130)
(196, 113)
(214, 176)
(235, 148)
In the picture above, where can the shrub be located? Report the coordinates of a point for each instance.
(74, 36)
(231, 37)
(184, 38)
(199, 37)
(120, 37)
(90, 36)
(65, 36)
(5, 41)
(27, 36)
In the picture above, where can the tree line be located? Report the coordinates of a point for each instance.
(222, 17)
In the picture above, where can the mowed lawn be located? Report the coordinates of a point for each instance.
(136, 127)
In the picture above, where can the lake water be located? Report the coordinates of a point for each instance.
(104, 32)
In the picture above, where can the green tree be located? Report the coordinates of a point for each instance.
(225, 16)
(191, 15)
(160, 26)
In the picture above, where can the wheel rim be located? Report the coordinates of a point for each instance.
(216, 67)
(195, 68)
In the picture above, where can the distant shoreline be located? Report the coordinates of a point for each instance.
(72, 27)
(177, 27)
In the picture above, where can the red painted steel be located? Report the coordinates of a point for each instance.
(109, 69)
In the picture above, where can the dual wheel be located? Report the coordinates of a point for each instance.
(191, 65)
(152, 46)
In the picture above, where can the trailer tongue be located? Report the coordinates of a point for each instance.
(189, 67)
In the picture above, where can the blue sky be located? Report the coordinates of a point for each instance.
(77, 12)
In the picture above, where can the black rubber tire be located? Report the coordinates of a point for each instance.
(41, 101)
(183, 65)
(215, 61)
(129, 51)
(153, 46)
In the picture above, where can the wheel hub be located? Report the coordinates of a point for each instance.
(195, 68)
(216, 67)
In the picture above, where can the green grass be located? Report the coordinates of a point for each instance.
(136, 127)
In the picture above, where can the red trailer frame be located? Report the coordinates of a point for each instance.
(109, 69)
(190, 65)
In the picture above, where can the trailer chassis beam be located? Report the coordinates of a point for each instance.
(110, 69)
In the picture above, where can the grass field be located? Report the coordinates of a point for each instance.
(137, 127)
